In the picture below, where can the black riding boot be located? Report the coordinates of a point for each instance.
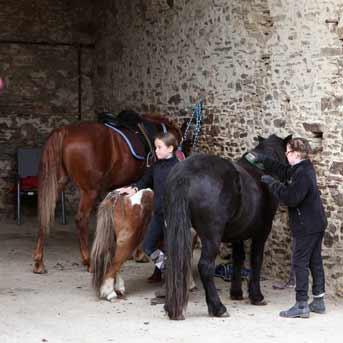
(299, 310)
(317, 305)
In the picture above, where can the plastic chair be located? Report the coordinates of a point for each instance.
(27, 178)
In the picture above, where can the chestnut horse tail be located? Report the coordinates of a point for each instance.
(51, 165)
(179, 247)
(104, 245)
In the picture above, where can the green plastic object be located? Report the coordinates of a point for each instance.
(250, 157)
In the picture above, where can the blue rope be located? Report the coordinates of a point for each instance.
(197, 116)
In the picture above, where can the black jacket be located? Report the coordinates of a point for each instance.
(155, 177)
(300, 193)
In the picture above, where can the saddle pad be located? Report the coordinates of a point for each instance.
(134, 140)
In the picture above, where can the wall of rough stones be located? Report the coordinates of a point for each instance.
(263, 66)
(45, 47)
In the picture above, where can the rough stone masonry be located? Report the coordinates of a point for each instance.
(263, 67)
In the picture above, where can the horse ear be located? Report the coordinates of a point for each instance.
(260, 139)
(287, 139)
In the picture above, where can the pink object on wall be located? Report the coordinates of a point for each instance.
(2, 84)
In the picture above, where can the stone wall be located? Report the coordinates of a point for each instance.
(45, 47)
(263, 67)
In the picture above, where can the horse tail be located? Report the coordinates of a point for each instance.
(179, 247)
(104, 245)
(50, 167)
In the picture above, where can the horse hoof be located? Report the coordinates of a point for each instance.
(221, 312)
(110, 300)
(157, 301)
(86, 262)
(259, 302)
(193, 289)
(120, 294)
(39, 268)
(156, 276)
(225, 315)
(111, 296)
(141, 259)
(179, 317)
(236, 296)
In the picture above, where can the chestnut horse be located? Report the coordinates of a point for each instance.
(95, 158)
(121, 224)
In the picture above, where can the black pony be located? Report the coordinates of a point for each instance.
(224, 201)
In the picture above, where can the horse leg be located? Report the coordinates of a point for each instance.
(87, 200)
(192, 284)
(114, 286)
(195, 237)
(255, 295)
(238, 257)
(119, 286)
(38, 253)
(206, 266)
(107, 289)
(139, 256)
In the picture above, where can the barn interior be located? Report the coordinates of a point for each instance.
(261, 66)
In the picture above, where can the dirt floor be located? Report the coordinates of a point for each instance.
(61, 306)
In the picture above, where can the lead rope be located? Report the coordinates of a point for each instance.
(197, 117)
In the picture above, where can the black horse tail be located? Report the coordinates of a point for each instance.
(179, 247)
(104, 245)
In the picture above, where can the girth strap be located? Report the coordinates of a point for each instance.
(152, 150)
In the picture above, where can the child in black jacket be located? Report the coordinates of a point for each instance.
(155, 178)
(299, 191)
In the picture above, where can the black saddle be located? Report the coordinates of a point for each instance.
(128, 122)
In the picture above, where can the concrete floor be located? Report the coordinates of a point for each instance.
(61, 306)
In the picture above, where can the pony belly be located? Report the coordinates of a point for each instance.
(242, 231)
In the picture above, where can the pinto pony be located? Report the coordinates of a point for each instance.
(224, 201)
(121, 224)
(95, 159)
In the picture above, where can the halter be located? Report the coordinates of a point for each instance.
(249, 156)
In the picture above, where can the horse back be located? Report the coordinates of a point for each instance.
(131, 218)
(95, 157)
(222, 195)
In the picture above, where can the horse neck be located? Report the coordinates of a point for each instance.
(249, 168)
